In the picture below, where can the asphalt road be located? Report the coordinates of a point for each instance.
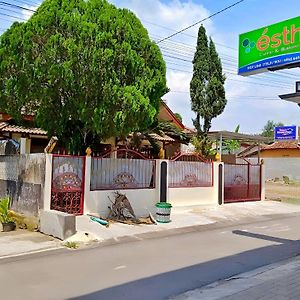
(154, 268)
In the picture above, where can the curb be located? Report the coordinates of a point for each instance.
(146, 236)
(182, 230)
(31, 254)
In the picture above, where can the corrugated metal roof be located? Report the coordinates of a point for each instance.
(7, 128)
(228, 135)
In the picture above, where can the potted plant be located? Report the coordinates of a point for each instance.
(8, 223)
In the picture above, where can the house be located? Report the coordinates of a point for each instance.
(171, 146)
(276, 149)
(34, 140)
(280, 158)
(30, 139)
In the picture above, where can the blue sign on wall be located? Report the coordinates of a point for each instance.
(282, 133)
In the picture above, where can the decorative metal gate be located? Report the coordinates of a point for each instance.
(242, 182)
(189, 170)
(67, 190)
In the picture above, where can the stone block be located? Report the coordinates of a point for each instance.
(57, 224)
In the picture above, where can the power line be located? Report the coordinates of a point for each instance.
(28, 3)
(237, 80)
(186, 34)
(238, 97)
(184, 48)
(17, 6)
(18, 18)
(194, 24)
(185, 52)
(230, 71)
(9, 10)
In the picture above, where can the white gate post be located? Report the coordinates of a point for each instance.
(48, 183)
(87, 184)
(218, 181)
(263, 181)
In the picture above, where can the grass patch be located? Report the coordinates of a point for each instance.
(71, 245)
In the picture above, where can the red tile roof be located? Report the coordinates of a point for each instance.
(7, 128)
(282, 145)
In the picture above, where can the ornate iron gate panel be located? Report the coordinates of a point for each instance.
(67, 190)
(242, 182)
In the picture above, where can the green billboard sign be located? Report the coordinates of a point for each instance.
(273, 46)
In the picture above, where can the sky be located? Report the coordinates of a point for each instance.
(253, 100)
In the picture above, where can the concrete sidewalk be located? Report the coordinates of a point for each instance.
(22, 242)
(279, 281)
(185, 218)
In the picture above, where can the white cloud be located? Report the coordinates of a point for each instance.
(175, 15)
(250, 105)
(179, 100)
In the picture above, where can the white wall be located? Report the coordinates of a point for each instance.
(280, 166)
(142, 200)
(196, 195)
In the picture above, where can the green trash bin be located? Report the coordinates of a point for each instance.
(163, 212)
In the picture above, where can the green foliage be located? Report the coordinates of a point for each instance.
(71, 245)
(203, 145)
(286, 179)
(232, 145)
(178, 116)
(4, 210)
(88, 71)
(207, 87)
(166, 127)
(161, 128)
(268, 130)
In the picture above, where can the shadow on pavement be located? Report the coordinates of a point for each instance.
(165, 285)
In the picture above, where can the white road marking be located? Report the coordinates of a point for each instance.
(119, 268)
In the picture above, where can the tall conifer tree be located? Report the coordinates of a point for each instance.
(207, 87)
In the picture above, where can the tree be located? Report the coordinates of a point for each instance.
(232, 145)
(206, 88)
(178, 116)
(268, 130)
(87, 70)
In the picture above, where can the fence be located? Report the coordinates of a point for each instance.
(122, 173)
(190, 170)
(242, 182)
(67, 186)
(190, 174)
(122, 169)
(146, 182)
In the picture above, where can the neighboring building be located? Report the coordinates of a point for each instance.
(280, 159)
(30, 140)
(277, 149)
(34, 140)
(171, 145)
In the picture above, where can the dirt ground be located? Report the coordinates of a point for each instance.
(283, 192)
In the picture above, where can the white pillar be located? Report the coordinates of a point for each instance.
(217, 185)
(87, 185)
(263, 182)
(23, 145)
(48, 181)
